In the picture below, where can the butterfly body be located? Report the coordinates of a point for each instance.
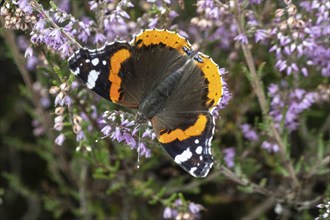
(159, 74)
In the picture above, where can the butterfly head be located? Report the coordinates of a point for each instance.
(140, 118)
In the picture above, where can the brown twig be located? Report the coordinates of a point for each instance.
(83, 191)
(9, 37)
(325, 161)
(263, 207)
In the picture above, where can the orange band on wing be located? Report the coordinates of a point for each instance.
(169, 38)
(194, 130)
(212, 74)
(115, 64)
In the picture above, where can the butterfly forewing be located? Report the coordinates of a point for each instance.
(104, 71)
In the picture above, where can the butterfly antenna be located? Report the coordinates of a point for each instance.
(101, 138)
(138, 149)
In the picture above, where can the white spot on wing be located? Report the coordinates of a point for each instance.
(92, 78)
(104, 62)
(196, 141)
(88, 61)
(76, 72)
(192, 171)
(95, 61)
(184, 156)
(199, 150)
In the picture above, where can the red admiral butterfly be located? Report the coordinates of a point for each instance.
(160, 75)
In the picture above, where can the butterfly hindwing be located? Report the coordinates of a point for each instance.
(190, 144)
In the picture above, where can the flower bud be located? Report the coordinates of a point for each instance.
(283, 26)
(76, 128)
(291, 21)
(292, 9)
(287, 2)
(279, 12)
(77, 119)
(7, 24)
(64, 87)
(59, 110)
(14, 20)
(27, 18)
(60, 96)
(58, 119)
(33, 19)
(7, 18)
(300, 23)
(54, 90)
(24, 27)
(4, 11)
(58, 126)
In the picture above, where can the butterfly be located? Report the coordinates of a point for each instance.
(172, 86)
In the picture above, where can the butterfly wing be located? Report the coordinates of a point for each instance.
(185, 127)
(158, 53)
(108, 71)
(125, 73)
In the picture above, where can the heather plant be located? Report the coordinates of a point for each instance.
(68, 154)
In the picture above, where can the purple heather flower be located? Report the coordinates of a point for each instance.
(229, 155)
(32, 63)
(204, 4)
(192, 212)
(287, 107)
(99, 38)
(226, 96)
(306, 47)
(53, 38)
(59, 99)
(38, 129)
(241, 38)
(81, 136)
(117, 135)
(147, 133)
(153, 22)
(22, 42)
(270, 147)
(64, 5)
(65, 50)
(169, 213)
(260, 35)
(130, 141)
(60, 139)
(84, 31)
(173, 14)
(120, 127)
(249, 133)
(195, 208)
(143, 150)
(67, 101)
(256, 2)
(93, 5)
(106, 130)
(25, 6)
(28, 52)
